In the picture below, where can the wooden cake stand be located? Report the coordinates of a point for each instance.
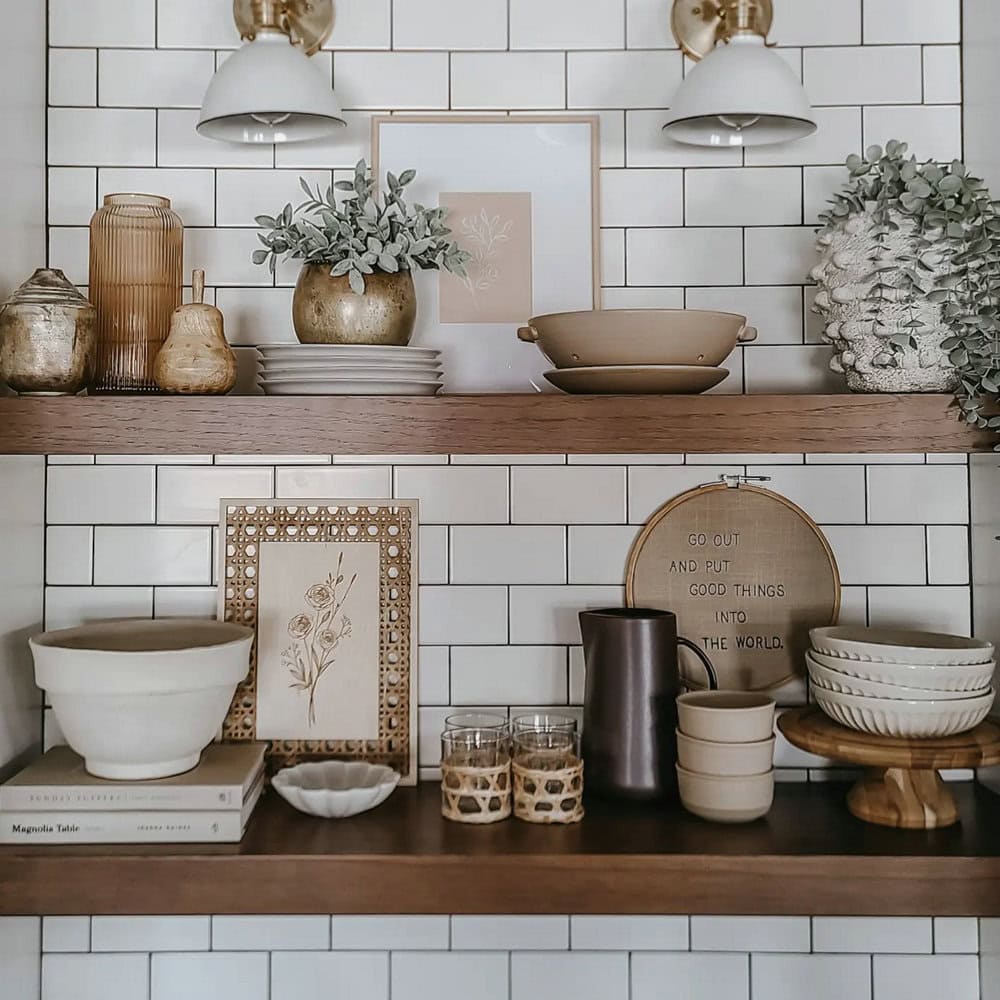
(901, 786)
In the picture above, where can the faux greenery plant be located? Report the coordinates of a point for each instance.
(362, 233)
(958, 225)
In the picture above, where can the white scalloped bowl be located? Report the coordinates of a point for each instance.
(889, 645)
(965, 679)
(335, 789)
(904, 719)
(834, 680)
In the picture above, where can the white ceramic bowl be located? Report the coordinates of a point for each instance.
(904, 719)
(141, 699)
(335, 789)
(888, 645)
(834, 680)
(726, 716)
(963, 679)
(726, 800)
(724, 759)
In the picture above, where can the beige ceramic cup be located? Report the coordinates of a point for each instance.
(725, 759)
(726, 800)
(726, 716)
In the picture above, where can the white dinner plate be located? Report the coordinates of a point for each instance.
(348, 387)
(309, 352)
(354, 370)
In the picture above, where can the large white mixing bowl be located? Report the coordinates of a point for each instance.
(141, 699)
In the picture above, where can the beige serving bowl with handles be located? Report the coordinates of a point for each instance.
(638, 337)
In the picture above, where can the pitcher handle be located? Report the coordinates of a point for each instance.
(713, 680)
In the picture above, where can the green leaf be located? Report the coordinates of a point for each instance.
(388, 263)
(357, 282)
(266, 222)
(260, 256)
(407, 177)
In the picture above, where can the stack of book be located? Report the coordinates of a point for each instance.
(55, 801)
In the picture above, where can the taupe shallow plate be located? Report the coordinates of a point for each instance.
(639, 380)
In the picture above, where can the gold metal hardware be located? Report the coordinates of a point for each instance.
(699, 25)
(308, 23)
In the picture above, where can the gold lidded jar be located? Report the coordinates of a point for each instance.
(136, 280)
(47, 337)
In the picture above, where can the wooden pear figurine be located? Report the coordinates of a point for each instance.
(196, 359)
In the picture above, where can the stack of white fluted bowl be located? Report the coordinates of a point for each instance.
(905, 684)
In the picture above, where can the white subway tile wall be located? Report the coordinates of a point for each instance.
(509, 957)
(684, 225)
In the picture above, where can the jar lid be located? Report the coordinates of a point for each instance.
(49, 287)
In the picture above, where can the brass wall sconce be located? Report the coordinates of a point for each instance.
(741, 93)
(269, 91)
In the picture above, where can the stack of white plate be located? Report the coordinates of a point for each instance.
(348, 370)
(891, 682)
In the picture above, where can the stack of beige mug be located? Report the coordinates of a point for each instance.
(725, 753)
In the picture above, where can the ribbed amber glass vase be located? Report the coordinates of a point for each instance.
(136, 279)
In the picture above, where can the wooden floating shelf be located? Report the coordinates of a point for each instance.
(809, 857)
(501, 424)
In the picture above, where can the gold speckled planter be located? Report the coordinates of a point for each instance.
(326, 310)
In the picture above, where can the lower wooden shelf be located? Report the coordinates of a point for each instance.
(809, 857)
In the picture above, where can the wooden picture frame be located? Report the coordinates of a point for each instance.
(330, 589)
(523, 193)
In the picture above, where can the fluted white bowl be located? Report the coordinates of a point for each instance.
(889, 645)
(962, 678)
(335, 789)
(904, 719)
(834, 680)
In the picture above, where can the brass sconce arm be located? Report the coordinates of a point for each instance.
(308, 23)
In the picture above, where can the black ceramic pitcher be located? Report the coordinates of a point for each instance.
(630, 714)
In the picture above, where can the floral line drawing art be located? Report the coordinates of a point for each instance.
(483, 236)
(317, 634)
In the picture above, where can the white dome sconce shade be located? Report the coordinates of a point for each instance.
(741, 93)
(269, 91)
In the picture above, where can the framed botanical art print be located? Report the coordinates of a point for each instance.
(522, 200)
(330, 589)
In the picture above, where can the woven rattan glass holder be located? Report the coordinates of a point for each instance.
(475, 776)
(548, 778)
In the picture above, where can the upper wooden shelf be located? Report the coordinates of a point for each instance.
(809, 857)
(534, 424)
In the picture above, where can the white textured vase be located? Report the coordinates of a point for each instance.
(859, 323)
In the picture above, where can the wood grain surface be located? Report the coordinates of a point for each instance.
(810, 729)
(491, 424)
(809, 856)
(901, 786)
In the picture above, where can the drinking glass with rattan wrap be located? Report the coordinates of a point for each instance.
(475, 776)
